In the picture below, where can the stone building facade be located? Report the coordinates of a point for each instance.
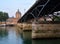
(14, 20)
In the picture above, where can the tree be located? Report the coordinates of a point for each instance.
(56, 18)
(1, 13)
(3, 16)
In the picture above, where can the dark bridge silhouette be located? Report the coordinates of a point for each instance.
(41, 8)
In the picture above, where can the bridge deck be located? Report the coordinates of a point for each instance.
(38, 10)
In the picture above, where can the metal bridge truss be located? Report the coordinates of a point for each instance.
(41, 8)
(37, 10)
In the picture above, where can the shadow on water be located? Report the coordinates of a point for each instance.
(46, 41)
(26, 37)
(3, 33)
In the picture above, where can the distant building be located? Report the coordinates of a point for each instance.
(13, 20)
(45, 19)
(48, 19)
(41, 19)
(18, 14)
(57, 13)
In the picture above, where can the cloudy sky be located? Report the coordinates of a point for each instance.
(11, 6)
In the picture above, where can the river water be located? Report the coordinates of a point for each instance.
(13, 35)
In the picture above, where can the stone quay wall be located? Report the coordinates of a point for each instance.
(46, 31)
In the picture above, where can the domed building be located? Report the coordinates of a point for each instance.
(14, 20)
(18, 14)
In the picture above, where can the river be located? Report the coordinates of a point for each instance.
(13, 35)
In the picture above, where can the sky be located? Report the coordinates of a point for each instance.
(11, 6)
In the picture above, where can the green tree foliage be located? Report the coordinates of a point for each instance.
(3, 16)
(56, 18)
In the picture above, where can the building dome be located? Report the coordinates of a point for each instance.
(18, 14)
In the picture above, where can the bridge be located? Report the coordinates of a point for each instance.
(41, 8)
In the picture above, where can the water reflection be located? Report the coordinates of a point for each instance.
(3, 33)
(13, 35)
(27, 41)
(25, 36)
(8, 36)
